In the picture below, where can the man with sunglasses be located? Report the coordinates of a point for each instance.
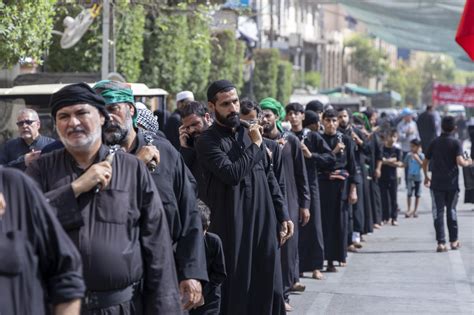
(21, 151)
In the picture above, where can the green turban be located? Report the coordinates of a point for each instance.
(362, 117)
(276, 107)
(116, 92)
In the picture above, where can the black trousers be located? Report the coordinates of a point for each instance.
(388, 190)
(445, 199)
(376, 200)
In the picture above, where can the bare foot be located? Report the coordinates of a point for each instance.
(317, 275)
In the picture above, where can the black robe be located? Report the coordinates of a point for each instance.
(121, 232)
(179, 201)
(217, 274)
(246, 209)
(297, 196)
(334, 199)
(375, 196)
(171, 129)
(39, 263)
(311, 242)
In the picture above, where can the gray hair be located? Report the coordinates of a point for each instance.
(33, 113)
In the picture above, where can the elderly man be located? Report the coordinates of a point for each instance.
(39, 262)
(21, 151)
(172, 178)
(247, 208)
(110, 208)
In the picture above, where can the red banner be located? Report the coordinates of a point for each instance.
(465, 33)
(444, 94)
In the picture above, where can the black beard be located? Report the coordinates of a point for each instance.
(267, 128)
(114, 134)
(231, 121)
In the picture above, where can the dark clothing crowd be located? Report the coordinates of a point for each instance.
(219, 211)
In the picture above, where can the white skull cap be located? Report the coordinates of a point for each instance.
(184, 95)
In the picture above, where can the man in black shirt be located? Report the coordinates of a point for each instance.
(111, 210)
(247, 209)
(21, 151)
(391, 159)
(172, 179)
(445, 154)
(195, 120)
(39, 263)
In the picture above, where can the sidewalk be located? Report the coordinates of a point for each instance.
(399, 272)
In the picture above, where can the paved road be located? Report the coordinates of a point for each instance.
(399, 272)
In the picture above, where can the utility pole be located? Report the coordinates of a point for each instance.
(105, 39)
(271, 23)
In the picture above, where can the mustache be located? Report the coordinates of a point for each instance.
(231, 115)
(74, 130)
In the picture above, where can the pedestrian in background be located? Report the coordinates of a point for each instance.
(407, 131)
(391, 160)
(445, 153)
(413, 162)
(21, 151)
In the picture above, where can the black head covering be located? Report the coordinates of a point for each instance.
(218, 86)
(315, 106)
(78, 93)
(310, 117)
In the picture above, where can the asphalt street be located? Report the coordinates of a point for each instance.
(399, 272)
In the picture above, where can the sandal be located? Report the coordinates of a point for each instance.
(441, 248)
(331, 269)
(455, 245)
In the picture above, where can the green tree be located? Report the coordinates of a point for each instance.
(165, 45)
(25, 29)
(437, 68)
(238, 73)
(129, 29)
(85, 56)
(284, 84)
(406, 81)
(312, 78)
(266, 73)
(365, 58)
(198, 53)
(223, 46)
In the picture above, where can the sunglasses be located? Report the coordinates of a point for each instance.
(28, 122)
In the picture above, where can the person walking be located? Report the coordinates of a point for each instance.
(407, 130)
(445, 153)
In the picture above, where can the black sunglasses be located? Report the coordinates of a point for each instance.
(24, 122)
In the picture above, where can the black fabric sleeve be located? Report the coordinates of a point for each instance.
(190, 253)
(322, 155)
(189, 156)
(215, 160)
(351, 163)
(59, 260)
(301, 175)
(160, 287)
(279, 200)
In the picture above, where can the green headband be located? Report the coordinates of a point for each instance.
(276, 107)
(116, 92)
(364, 118)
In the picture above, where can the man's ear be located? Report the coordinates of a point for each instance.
(207, 118)
(211, 106)
(303, 116)
(132, 109)
(102, 119)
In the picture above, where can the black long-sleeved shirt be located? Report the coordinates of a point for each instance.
(121, 232)
(39, 263)
(171, 178)
(13, 152)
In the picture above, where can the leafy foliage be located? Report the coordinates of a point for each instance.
(312, 78)
(266, 73)
(223, 49)
(238, 75)
(438, 68)
(130, 26)
(365, 58)
(198, 53)
(284, 86)
(25, 29)
(164, 62)
(85, 56)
